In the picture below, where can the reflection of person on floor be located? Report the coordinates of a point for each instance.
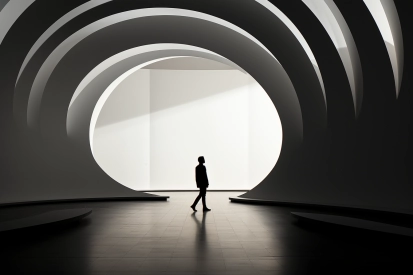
(201, 237)
(202, 183)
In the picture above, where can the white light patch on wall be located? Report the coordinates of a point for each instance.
(265, 134)
(121, 138)
(154, 126)
(199, 114)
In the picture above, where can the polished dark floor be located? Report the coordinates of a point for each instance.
(168, 238)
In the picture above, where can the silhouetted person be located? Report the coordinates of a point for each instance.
(202, 183)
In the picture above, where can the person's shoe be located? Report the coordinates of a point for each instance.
(193, 208)
(207, 209)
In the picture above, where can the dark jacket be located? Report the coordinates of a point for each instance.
(201, 176)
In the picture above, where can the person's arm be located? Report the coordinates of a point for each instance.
(197, 180)
(206, 178)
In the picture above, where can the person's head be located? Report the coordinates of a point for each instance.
(201, 160)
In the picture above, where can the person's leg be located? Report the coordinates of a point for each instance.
(204, 200)
(197, 199)
(203, 192)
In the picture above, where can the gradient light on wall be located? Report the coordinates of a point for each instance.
(156, 123)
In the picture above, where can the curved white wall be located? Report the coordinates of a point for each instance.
(156, 123)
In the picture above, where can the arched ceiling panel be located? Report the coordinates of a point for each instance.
(297, 64)
(56, 26)
(310, 92)
(385, 14)
(341, 109)
(334, 23)
(197, 38)
(58, 54)
(88, 99)
(3, 3)
(299, 37)
(157, 47)
(52, 92)
(250, 56)
(294, 87)
(9, 13)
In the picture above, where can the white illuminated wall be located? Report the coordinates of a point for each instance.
(157, 122)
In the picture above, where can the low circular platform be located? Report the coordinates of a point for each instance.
(44, 219)
(355, 223)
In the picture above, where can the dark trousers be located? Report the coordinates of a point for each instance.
(202, 194)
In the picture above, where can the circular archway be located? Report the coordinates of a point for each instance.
(151, 123)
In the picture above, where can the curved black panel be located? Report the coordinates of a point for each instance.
(268, 30)
(374, 162)
(341, 118)
(320, 157)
